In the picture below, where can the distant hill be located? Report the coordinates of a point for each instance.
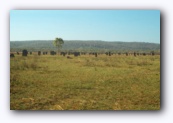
(101, 46)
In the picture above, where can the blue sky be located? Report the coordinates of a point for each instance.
(106, 25)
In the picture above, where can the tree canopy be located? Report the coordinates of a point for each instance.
(84, 46)
(58, 42)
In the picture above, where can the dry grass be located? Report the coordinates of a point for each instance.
(85, 83)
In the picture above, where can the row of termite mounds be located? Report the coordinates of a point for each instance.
(25, 53)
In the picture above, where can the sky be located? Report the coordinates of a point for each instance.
(105, 25)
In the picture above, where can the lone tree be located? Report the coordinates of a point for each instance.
(58, 42)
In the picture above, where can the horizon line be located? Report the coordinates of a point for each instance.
(92, 40)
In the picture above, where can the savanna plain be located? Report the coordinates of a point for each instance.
(86, 82)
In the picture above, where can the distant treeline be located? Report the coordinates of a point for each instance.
(85, 46)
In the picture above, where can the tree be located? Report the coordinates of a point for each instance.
(58, 42)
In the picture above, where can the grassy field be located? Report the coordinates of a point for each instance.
(116, 82)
